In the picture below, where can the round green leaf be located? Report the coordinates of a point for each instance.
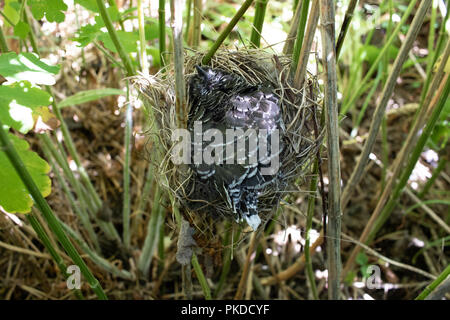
(86, 34)
(52, 9)
(14, 196)
(27, 66)
(21, 29)
(19, 102)
(127, 39)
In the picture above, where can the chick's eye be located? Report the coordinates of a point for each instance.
(225, 83)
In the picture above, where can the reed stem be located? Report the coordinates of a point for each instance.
(176, 20)
(142, 41)
(113, 34)
(197, 32)
(258, 22)
(162, 31)
(345, 25)
(226, 32)
(327, 18)
(126, 174)
(300, 33)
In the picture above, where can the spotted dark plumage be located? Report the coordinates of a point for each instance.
(221, 100)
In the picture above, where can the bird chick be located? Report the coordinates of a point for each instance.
(248, 118)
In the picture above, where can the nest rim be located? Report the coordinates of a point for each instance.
(299, 107)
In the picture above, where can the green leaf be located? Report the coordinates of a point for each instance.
(52, 9)
(27, 66)
(14, 196)
(440, 135)
(154, 52)
(226, 9)
(15, 5)
(89, 4)
(209, 32)
(441, 132)
(21, 29)
(445, 114)
(19, 102)
(87, 34)
(362, 259)
(151, 29)
(88, 95)
(11, 11)
(37, 9)
(130, 13)
(127, 39)
(349, 277)
(113, 14)
(55, 16)
(364, 271)
(370, 53)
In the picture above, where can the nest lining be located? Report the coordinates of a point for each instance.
(256, 67)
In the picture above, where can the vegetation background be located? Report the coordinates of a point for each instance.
(74, 131)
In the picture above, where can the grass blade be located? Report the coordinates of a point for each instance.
(226, 32)
(386, 95)
(48, 245)
(201, 277)
(87, 96)
(44, 208)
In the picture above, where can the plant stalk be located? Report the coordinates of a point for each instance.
(201, 277)
(152, 237)
(3, 44)
(48, 245)
(386, 95)
(44, 208)
(380, 56)
(112, 33)
(313, 20)
(176, 20)
(429, 289)
(197, 32)
(300, 33)
(162, 31)
(381, 214)
(290, 39)
(126, 175)
(226, 32)
(327, 18)
(142, 42)
(345, 25)
(258, 21)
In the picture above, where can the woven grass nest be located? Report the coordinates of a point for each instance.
(298, 108)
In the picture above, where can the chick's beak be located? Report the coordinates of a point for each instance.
(202, 72)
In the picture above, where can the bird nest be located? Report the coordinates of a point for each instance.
(301, 136)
